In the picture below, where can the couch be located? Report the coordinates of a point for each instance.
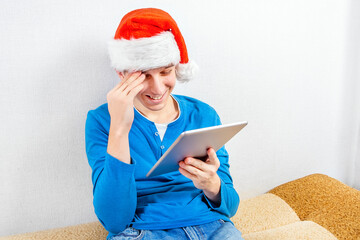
(313, 207)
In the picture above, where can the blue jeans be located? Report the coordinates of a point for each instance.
(214, 230)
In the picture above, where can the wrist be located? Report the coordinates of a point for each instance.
(118, 130)
(118, 144)
(213, 192)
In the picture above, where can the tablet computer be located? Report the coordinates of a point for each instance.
(194, 143)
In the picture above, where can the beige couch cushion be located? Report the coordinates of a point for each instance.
(263, 212)
(88, 231)
(275, 215)
(304, 230)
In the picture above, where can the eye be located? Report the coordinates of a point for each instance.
(166, 72)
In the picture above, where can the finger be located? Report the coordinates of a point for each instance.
(134, 91)
(120, 83)
(129, 78)
(187, 174)
(134, 84)
(196, 163)
(122, 79)
(213, 159)
(192, 170)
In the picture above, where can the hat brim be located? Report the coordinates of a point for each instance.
(144, 53)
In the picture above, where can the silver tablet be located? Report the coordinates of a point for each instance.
(194, 143)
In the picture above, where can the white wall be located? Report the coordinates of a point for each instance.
(278, 64)
(350, 113)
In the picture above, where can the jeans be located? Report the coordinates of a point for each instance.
(210, 231)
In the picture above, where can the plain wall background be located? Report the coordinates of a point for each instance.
(289, 68)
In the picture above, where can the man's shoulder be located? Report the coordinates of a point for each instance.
(101, 112)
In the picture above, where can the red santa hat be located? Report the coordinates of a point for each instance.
(149, 38)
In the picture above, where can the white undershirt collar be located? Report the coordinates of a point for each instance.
(161, 127)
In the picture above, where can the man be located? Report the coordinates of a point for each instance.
(126, 136)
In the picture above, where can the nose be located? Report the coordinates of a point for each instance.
(156, 85)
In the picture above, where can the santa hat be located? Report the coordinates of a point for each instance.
(149, 38)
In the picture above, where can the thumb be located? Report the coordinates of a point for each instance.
(213, 159)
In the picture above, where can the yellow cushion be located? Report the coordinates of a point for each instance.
(326, 201)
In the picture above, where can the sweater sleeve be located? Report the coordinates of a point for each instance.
(114, 188)
(229, 197)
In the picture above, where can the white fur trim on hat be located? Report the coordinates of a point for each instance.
(144, 53)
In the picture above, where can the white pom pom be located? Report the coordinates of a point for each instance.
(187, 71)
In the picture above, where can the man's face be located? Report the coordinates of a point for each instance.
(158, 85)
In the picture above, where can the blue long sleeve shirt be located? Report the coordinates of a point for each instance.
(124, 196)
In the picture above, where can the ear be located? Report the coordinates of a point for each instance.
(121, 75)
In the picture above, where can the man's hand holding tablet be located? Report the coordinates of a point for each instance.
(195, 144)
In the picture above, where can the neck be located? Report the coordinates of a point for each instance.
(167, 114)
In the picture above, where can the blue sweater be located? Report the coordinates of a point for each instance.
(124, 196)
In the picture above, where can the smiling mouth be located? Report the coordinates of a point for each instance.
(156, 98)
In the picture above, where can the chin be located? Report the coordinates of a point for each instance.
(152, 105)
(155, 109)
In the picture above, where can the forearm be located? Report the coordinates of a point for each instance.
(213, 191)
(115, 195)
(118, 143)
(229, 200)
